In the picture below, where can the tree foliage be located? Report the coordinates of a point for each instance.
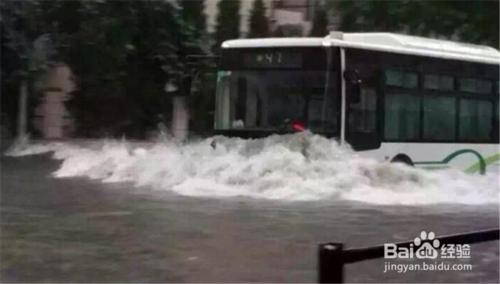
(201, 75)
(122, 54)
(27, 49)
(469, 21)
(320, 22)
(194, 26)
(227, 21)
(258, 22)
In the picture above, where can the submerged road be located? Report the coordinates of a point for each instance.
(79, 230)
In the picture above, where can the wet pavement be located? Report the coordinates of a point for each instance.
(80, 230)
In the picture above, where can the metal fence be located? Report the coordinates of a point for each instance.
(333, 256)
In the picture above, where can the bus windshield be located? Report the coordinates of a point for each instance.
(277, 101)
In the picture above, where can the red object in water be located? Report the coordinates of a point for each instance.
(298, 126)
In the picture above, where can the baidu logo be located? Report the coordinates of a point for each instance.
(425, 246)
(429, 253)
(428, 247)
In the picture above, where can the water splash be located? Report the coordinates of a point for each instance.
(296, 167)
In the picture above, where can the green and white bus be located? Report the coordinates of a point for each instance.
(425, 102)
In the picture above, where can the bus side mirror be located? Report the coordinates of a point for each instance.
(353, 79)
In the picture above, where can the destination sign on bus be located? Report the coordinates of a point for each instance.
(272, 59)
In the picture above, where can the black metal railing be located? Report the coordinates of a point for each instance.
(332, 256)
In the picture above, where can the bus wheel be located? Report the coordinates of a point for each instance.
(401, 158)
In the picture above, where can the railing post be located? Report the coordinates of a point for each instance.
(331, 263)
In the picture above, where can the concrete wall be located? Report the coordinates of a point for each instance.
(283, 12)
(245, 8)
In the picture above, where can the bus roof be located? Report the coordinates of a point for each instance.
(387, 42)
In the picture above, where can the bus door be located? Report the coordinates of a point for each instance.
(361, 105)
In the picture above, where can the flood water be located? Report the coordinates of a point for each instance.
(75, 229)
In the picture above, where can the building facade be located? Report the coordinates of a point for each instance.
(292, 17)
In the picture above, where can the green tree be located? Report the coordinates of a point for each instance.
(258, 22)
(194, 26)
(320, 22)
(227, 22)
(469, 21)
(123, 55)
(193, 15)
(28, 39)
(199, 72)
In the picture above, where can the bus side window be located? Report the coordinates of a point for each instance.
(439, 118)
(401, 105)
(476, 120)
(402, 116)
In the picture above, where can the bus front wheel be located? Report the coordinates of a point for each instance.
(401, 158)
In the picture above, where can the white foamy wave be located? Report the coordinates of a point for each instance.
(295, 167)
